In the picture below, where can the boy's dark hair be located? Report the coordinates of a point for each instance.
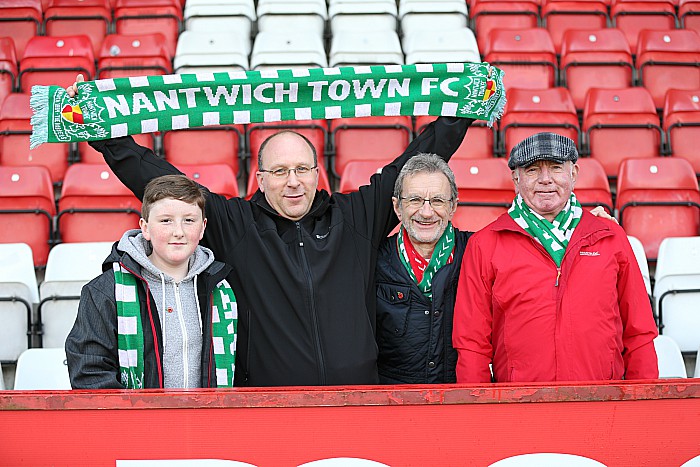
(173, 187)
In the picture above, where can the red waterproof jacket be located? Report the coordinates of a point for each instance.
(588, 320)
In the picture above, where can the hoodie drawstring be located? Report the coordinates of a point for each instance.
(165, 310)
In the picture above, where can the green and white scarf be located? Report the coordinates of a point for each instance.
(442, 254)
(554, 236)
(130, 330)
(109, 108)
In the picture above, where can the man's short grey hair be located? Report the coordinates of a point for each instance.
(425, 163)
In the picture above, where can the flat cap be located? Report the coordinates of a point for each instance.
(542, 147)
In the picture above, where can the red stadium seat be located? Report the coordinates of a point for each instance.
(588, 55)
(560, 17)
(55, 61)
(689, 14)
(358, 173)
(95, 206)
(526, 55)
(87, 155)
(480, 143)
(20, 20)
(491, 15)
(90, 17)
(122, 56)
(219, 178)
(668, 60)
(368, 138)
(15, 128)
(592, 188)
(633, 17)
(252, 185)
(485, 190)
(620, 124)
(27, 209)
(8, 67)
(531, 111)
(135, 17)
(205, 145)
(658, 198)
(681, 119)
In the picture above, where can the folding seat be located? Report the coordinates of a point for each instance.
(219, 178)
(42, 369)
(365, 48)
(670, 358)
(69, 268)
(641, 256)
(681, 119)
(368, 138)
(668, 60)
(485, 190)
(18, 294)
(592, 188)
(486, 17)
(526, 55)
(21, 20)
(87, 155)
(586, 56)
(562, 16)
(358, 173)
(95, 206)
(480, 142)
(633, 17)
(283, 15)
(530, 111)
(55, 61)
(134, 17)
(27, 209)
(252, 185)
(15, 129)
(90, 17)
(220, 15)
(620, 124)
(441, 46)
(689, 14)
(211, 51)
(284, 49)
(658, 198)
(366, 15)
(205, 145)
(123, 56)
(316, 131)
(415, 15)
(676, 291)
(8, 67)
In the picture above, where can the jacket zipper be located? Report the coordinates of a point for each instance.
(185, 339)
(312, 309)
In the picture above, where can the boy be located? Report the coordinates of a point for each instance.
(161, 315)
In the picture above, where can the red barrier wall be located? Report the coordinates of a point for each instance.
(617, 424)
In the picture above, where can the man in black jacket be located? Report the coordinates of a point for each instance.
(417, 273)
(303, 260)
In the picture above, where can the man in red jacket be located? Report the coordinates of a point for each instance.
(548, 292)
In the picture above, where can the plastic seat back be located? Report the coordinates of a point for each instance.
(358, 173)
(488, 17)
(42, 369)
(123, 56)
(485, 190)
(135, 17)
(365, 48)
(681, 118)
(592, 188)
(91, 17)
(18, 295)
(219, 178)
(305, 15)
(205, 145)
(633, 17)
(95, 206)
(658, 198)
(21, 20)
(561, 17)
(480, 144)
(8, 67)
(641, 256)
(670, 358)
(285, 49)
(53, 60)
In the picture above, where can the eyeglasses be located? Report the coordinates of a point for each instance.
(417, 202)
(283, 172)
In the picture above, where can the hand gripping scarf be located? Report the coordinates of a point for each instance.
(109, 108)
(224, 316)
(554, 236)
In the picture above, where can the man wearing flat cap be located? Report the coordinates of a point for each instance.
(548, 292)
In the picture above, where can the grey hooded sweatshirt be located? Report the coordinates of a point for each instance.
(178, 310)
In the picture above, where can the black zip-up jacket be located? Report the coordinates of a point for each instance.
(305, 289)
(414, 334)
(91, 346)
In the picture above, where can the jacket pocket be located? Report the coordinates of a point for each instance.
(393, 306)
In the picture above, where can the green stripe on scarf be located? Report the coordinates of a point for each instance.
(110, 108)
(130, 330)
(554, 236)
